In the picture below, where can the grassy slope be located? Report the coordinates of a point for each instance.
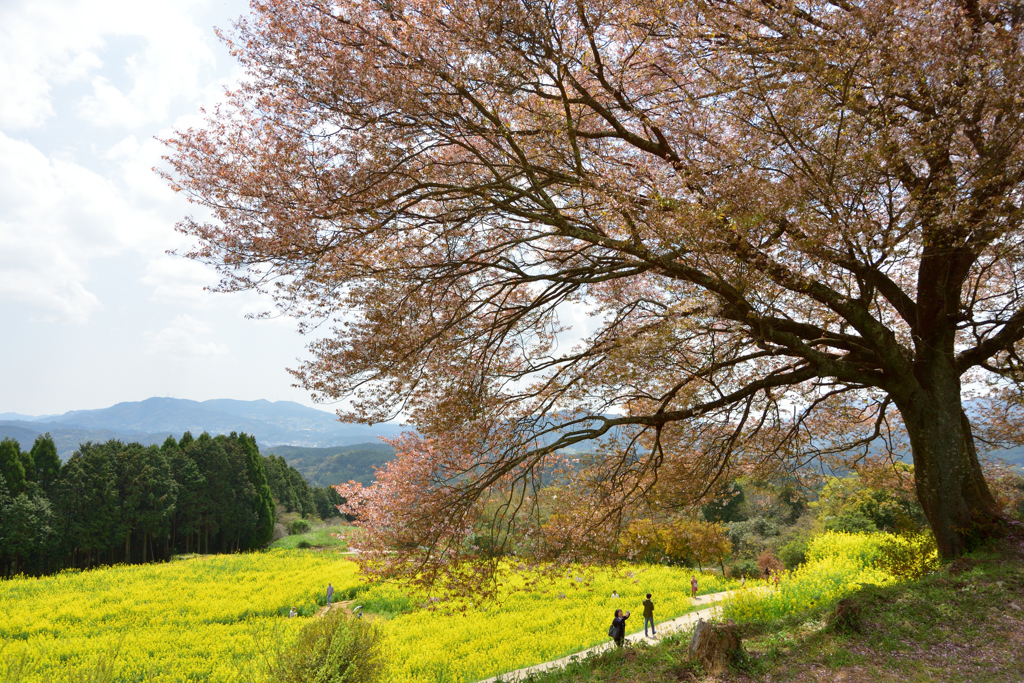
(965, 623)
(317, 538)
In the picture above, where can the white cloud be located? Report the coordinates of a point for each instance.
(168, 68)
(55, 217)
(39, 48)
(178, 280)
(47, 44)
(185, 336)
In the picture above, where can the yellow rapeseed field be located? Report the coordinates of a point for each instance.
(211, 619)
(191, 620)
(523, 628)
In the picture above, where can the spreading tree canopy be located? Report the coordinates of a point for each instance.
(796, 228)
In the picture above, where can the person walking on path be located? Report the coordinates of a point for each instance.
(618, 629)
(330, 594)
(649, 615)
(693, 586)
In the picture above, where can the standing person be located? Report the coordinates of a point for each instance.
(618, 627)
(776, 579)
(768, 575)
(743, 582)
(330, 594)
(649, 615)
(693, 586)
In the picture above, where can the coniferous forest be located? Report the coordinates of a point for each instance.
(127, 503)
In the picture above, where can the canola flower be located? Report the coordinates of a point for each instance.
(181, 621)
(211, 619)
(837, 565)
(526, 627)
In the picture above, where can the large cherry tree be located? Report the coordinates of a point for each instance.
(792, 229)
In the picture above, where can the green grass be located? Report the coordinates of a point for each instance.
(963, 623)
(317, 538)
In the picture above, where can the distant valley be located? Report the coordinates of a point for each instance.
(327, 466)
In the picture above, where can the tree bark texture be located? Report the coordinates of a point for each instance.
(947, 474)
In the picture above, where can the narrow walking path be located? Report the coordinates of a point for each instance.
(663, 629)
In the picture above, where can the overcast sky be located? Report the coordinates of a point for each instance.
(94, 311)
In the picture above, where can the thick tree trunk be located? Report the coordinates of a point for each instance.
(948, 477)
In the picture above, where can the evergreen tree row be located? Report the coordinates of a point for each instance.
(128, 503)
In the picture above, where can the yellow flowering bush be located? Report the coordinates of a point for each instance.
(837, 564)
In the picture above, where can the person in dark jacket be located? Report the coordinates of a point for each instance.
(649, 615)
(619, 626)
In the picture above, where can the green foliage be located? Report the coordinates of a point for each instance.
(299, 526)
(794, 553)
(11, 467)
(116, 502)
(729, 507)
(28, 463)
(288, 487)
(26, 529)
(909, 556)
(745, 568)
(333, 649)
(264, 528)
(46, 461)
(851, 522)
(326, 500)
(847, 504)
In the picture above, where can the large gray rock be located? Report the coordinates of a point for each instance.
(715, 646)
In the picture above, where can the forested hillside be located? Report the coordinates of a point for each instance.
(328, 466)
(121, 502)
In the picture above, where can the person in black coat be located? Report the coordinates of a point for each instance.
(618, 629)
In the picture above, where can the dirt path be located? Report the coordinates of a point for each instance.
(663, 629)
(346, 606)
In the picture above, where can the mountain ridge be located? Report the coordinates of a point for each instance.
(152, 420)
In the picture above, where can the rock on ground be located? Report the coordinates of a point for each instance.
(715, 646)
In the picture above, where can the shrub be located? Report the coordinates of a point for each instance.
(863, 548)
(747, 568)
(299, 526)
(333, 649)
(910, 556)
(837, 565)
(794, 553)
(851, 523)
(304, 544)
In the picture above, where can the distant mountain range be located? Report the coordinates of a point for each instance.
(273, 423)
